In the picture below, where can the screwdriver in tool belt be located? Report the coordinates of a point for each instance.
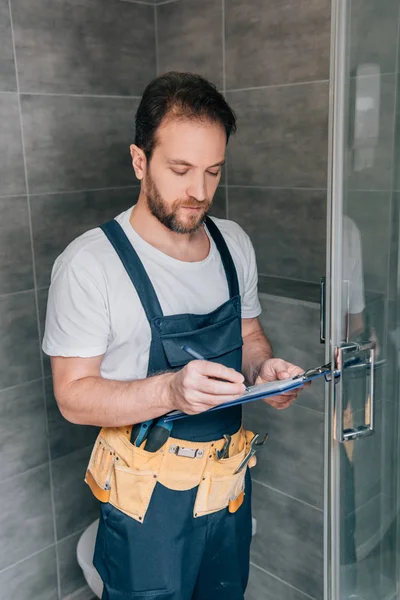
(198, 356)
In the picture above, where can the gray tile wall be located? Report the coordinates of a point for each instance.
(71, 75)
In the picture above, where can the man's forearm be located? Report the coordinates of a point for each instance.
(108, 403)
(256, 350)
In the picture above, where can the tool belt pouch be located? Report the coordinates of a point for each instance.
(220, 487)
(98, 473)
(132, 474)
(125, 475)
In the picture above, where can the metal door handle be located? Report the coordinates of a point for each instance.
(344, 435)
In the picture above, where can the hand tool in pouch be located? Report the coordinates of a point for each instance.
(254, 446)
(154, 432)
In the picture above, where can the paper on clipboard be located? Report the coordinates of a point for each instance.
(272, 388)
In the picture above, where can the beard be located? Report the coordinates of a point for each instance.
(170, 216)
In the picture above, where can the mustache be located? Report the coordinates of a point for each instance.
(192, 203)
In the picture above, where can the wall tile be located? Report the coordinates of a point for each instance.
(7, 66)
(91, 47)
(372, 22)
(292, 460)
(71, 575)
(263, 586)
(74, 504)
(23, 436)
(16, 269)
(219, 204)
(379, 176)
(282, 137)
(370, 212)
(287, 228)
(34, 578)
(65, 437)
(190, 38)
(289, 288)
(12, 176)
(27, 495)
(289, 540)
(80, 211)
(274, 42)
(19, 341)
(293, 330)
(78, 143)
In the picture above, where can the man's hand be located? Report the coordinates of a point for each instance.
(202, 384)
(276, 368)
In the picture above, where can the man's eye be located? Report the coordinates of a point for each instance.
(213, 174)
(179, 172)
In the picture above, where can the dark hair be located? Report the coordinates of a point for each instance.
(180, 95)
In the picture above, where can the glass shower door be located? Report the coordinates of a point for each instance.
(362, 305)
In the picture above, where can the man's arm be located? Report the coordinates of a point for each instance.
(259, 367)
(86, 398)
(256, 349)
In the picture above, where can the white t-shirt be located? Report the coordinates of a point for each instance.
(93, 307)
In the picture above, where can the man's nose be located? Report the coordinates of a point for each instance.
(197, 189)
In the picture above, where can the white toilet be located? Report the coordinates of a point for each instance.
(84, 554)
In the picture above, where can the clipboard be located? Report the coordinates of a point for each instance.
(265, 390)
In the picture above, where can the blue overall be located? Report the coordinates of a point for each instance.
(172, 555)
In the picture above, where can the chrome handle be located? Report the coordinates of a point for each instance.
(344, 435)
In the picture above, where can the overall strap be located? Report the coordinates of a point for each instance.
(227, 261)
(134, 267)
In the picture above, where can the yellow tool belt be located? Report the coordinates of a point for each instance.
(125, 475)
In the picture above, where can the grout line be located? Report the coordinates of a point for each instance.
(279, 85)
(278, 187)
(281, 580)
(68, 95)
(139, 2)
(254, 480)
(27, 558)
(29, 291)
(36, 295)
(223, 48)
(289, 278)
(156, 39)
(276, 85)
(20, 385)
(23, 473)
(80, 191)
(71, 535)
(166, 2)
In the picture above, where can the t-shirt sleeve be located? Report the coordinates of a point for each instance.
(251, 306)
(77, 318)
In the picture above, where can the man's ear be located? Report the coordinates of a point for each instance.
(139, 161)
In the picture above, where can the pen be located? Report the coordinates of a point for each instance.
(198, 356)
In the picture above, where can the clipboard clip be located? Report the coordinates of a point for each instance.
(325, 370)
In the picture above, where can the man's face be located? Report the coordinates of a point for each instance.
(184, 172)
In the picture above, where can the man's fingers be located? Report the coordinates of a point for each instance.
(210, 369)
(216, 387)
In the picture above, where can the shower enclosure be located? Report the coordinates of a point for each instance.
(360, 319)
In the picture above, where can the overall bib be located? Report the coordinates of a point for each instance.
(172, 552)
